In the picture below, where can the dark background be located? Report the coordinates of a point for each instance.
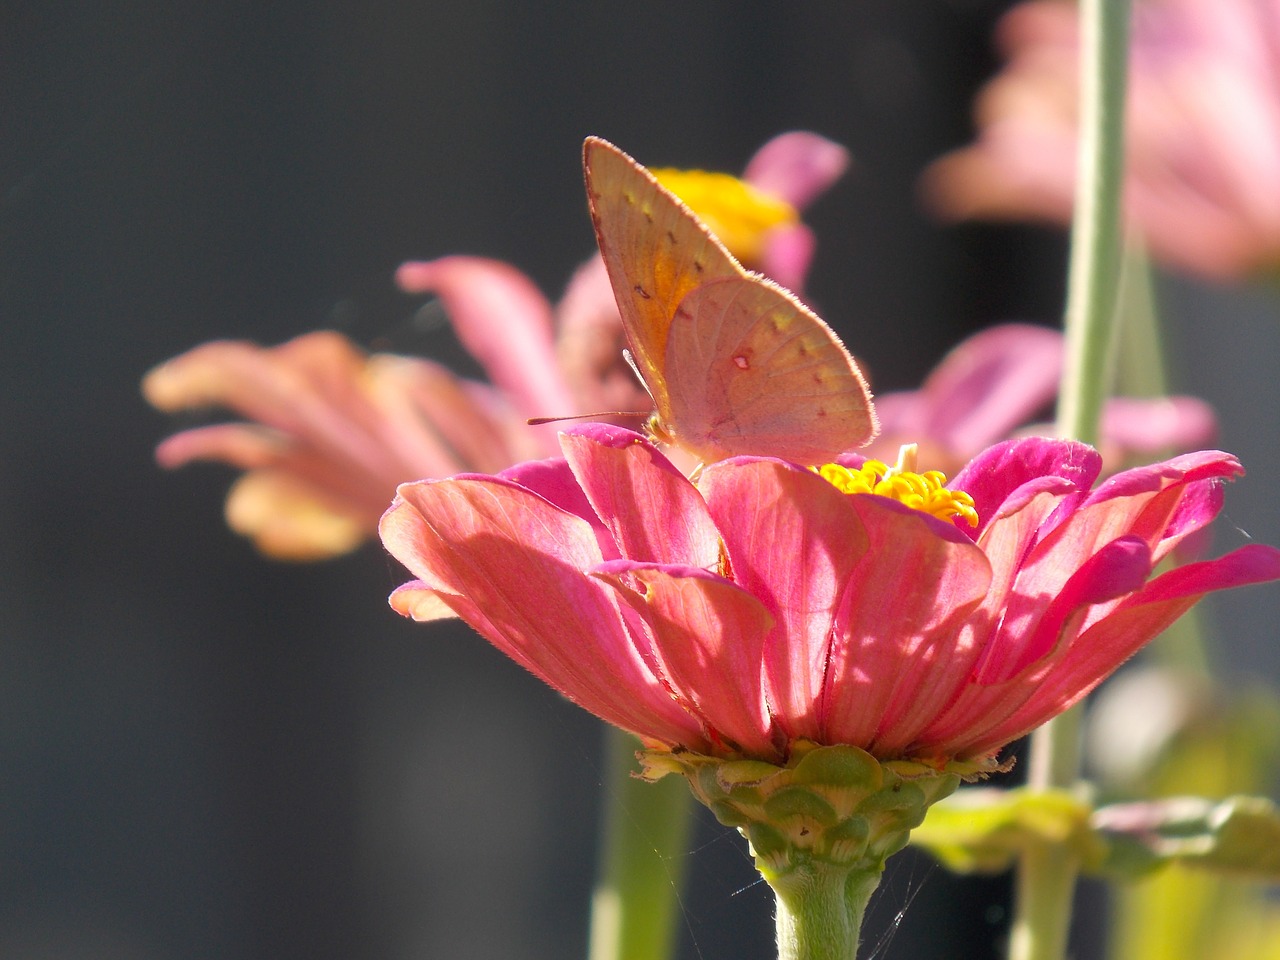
(204, 754)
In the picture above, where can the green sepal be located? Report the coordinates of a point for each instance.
(828, 804)
(1237, 837)
(985, 830)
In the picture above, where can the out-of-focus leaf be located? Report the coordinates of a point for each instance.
(1239, 836)
(982, 830)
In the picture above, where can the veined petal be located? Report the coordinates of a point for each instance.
(553, 481)
(896, 658)
(793, 540)
(514, 567)
(1139, 502)
(653, 512)
(1097, 652)
(997, 473)
(1032, 629)
(1152, 478)
(708, 637)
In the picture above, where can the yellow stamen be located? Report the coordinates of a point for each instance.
(736, 212)
(921, 491)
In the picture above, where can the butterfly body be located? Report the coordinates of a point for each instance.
(734, 362)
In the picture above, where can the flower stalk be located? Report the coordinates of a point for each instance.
(1046, 879)
(644, 837)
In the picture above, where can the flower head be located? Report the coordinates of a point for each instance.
(764, 606)
(1203, 131)
(330, 431)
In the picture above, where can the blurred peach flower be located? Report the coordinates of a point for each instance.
(328, 432)
(995, 383)
(1203, 131)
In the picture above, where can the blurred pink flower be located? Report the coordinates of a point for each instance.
(995, 382)
(763, 605)
(330, 431)
(1203, 141)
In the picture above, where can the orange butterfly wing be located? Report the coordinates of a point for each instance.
(735, 364)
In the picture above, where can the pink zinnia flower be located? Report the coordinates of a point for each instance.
(763, 605)
(331, 431)
(1203, 131)
(997, 381)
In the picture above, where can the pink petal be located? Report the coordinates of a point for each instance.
(513, 566)
(1158, 425)
(906, 603)
(503, 321)
(990, 384)
(653, 512)
(708, 635)
(1032, 630)
(554, 482)
(798, 167)
(793, 540)
(1094, 655)
(788, 254)
(996, 474)
(1187, 468)
(240, 444)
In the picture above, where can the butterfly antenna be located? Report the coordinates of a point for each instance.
(538, 421)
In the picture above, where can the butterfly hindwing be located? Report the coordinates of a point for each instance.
(751, 370)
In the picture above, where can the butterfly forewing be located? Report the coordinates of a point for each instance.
(655, 251)
(751, 370)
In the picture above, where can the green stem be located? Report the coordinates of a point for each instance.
(1047, 877)
(1094, 273)
(1046, 882)
(645, 837)
(820, 910)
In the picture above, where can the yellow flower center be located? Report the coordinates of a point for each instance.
(736, 212)
(921, 491)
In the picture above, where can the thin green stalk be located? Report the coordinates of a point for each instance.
(1096, 248)
(1045, 885)
(1047, 878)
(819, 911)
(645, 834)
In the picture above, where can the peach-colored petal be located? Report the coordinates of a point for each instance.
(336, 430)
(419, 602)
(290, 520)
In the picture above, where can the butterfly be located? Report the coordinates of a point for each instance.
(735, 363)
